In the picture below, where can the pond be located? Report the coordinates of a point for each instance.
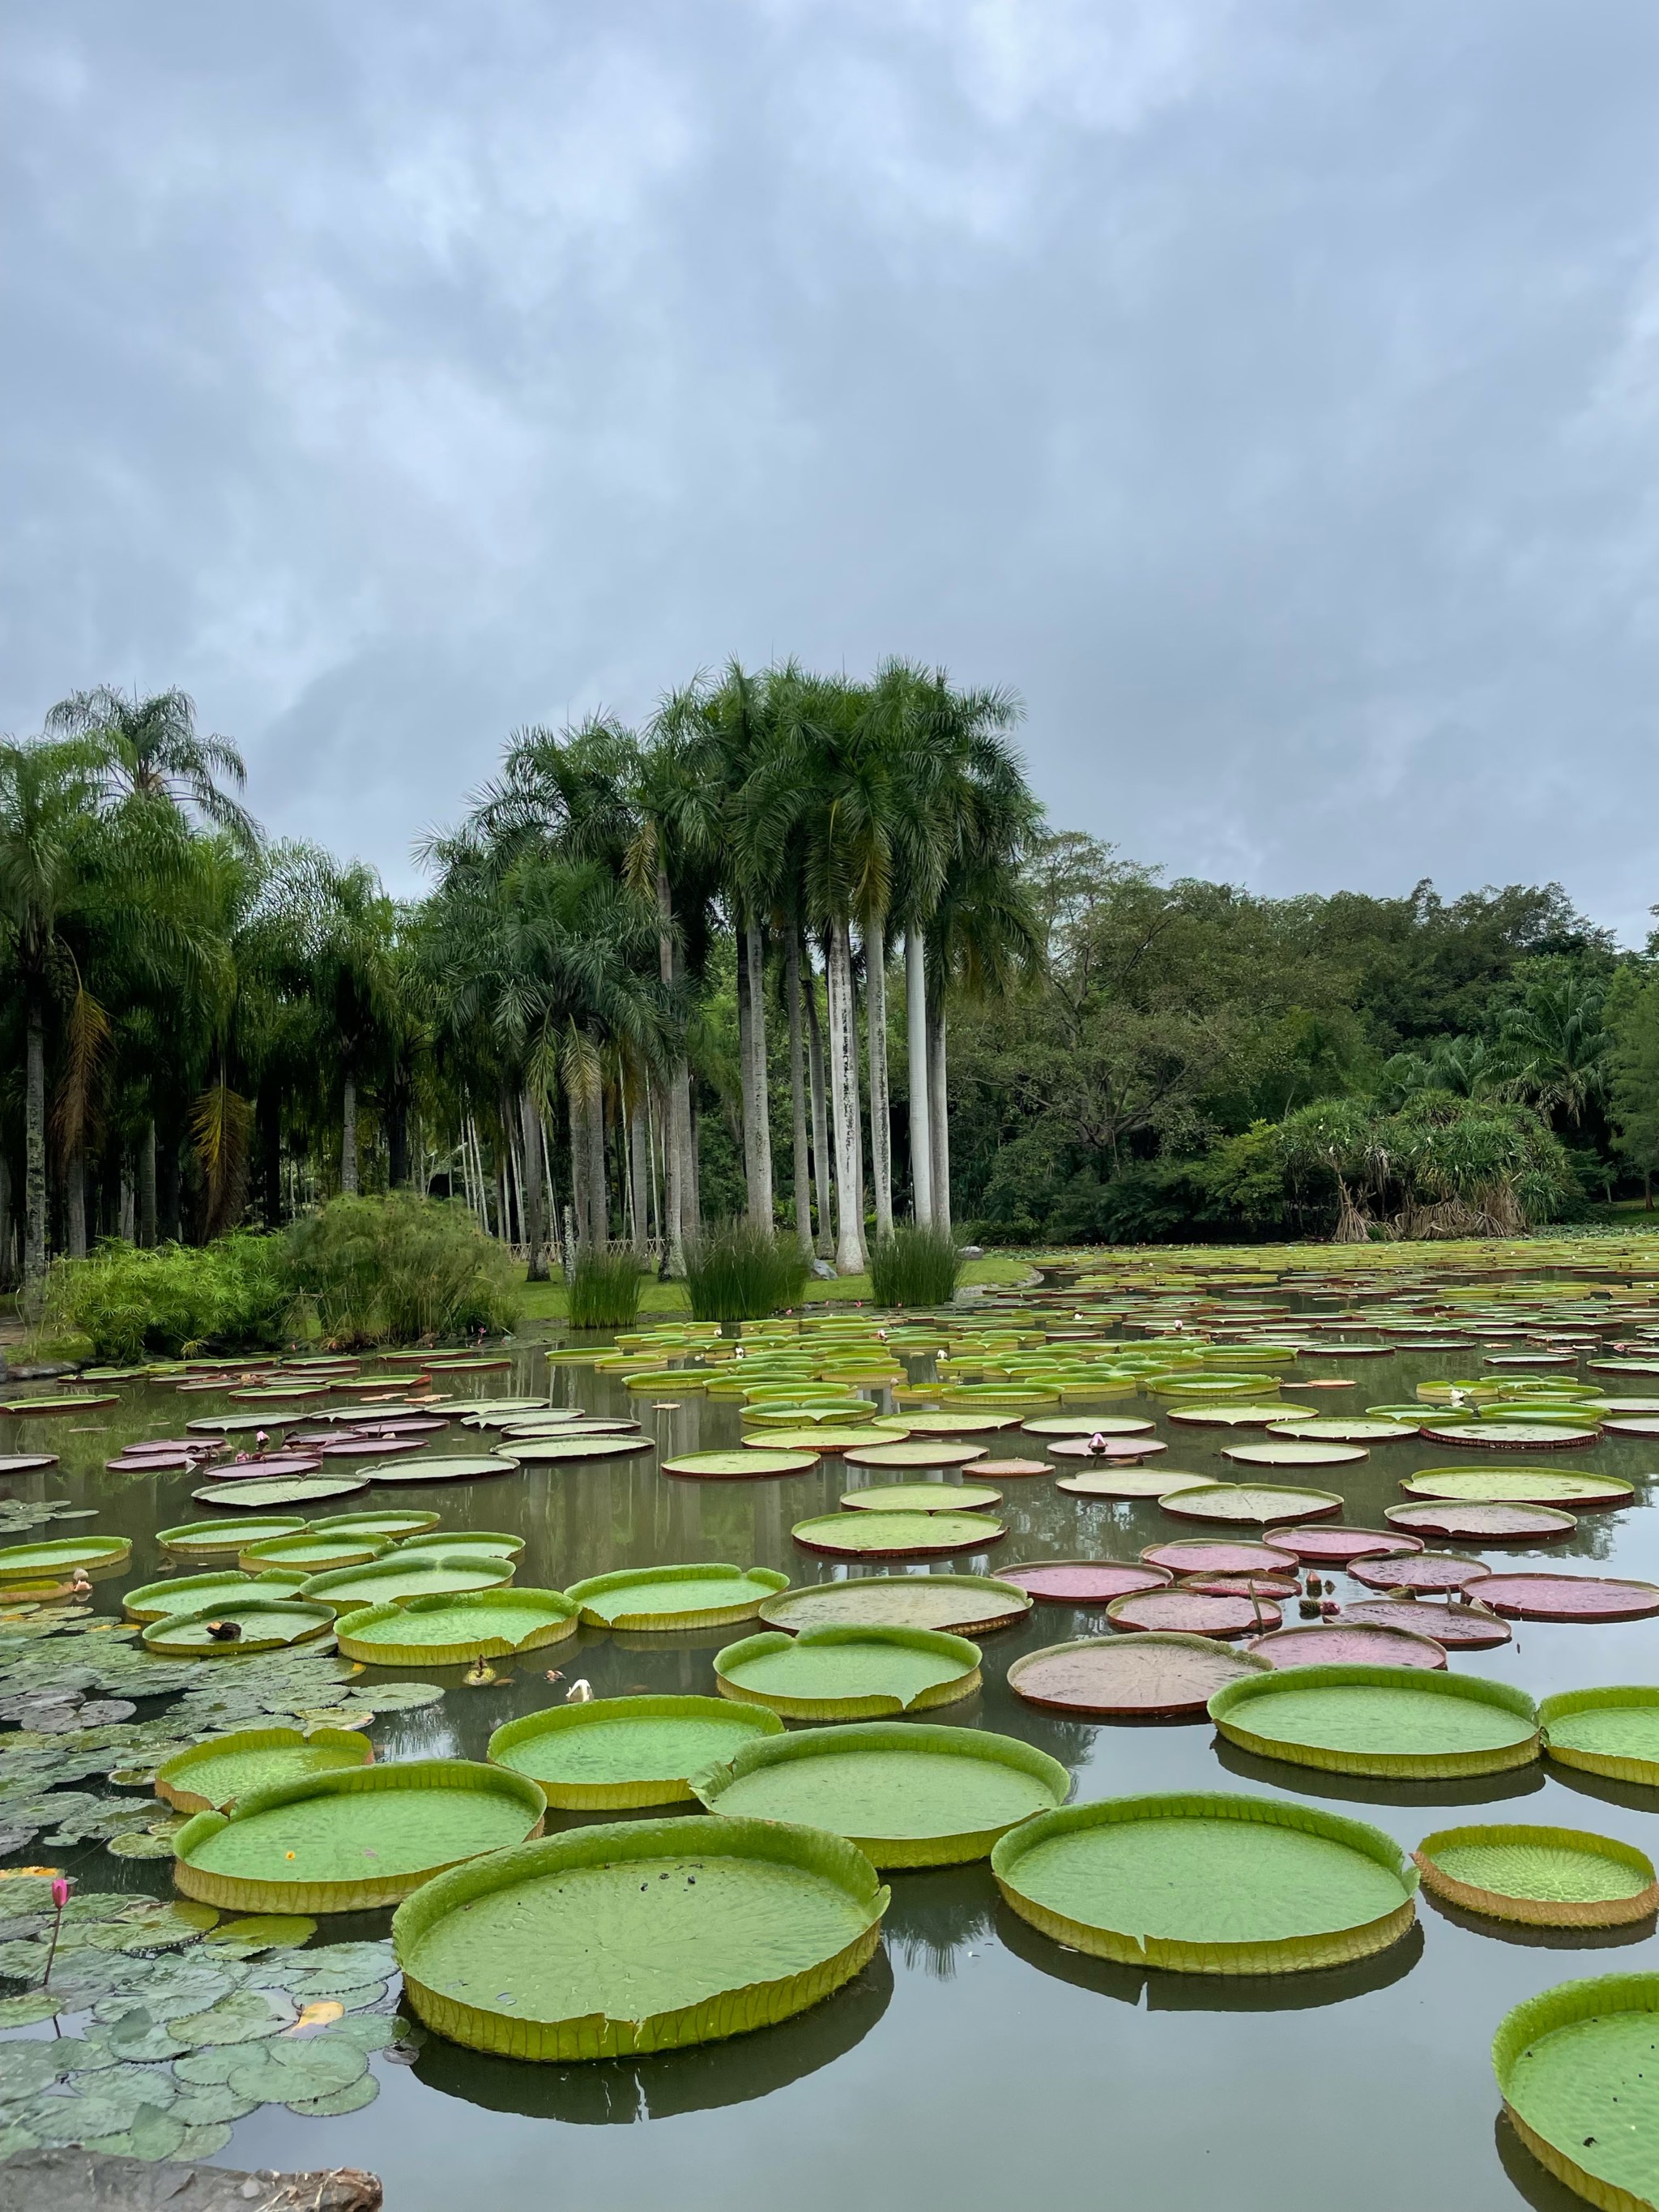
(973, 2060)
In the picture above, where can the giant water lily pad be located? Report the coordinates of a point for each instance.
(540, 1451)
(190, 1593)
(296, 1489)
(616, 1752)
(1113, 1483)
(26, 1462)
(312, 1551)
(450, 1466)
(1482, 1524)
(848, 1673)
(645, 1936)
(1512, 1435)
(1382, 1721)
(241, 1626)
(1614, 1731)
(79, 1401)
(1134, 1678)
(947, 1423)
(1566, 1597)
(1347, 1643)
(1215, 1555)
(968, 1605)
(1419, 1571)
(1576, 2066)
(1103, 1450)
(908, 1795)
(1518, 1486)
(1206, 1883)
(1085, 1582)
(922, 1497)
(662, 1598)
(402, 1574)
(1284, 1451)
(1333, 1429)
(897, 1535)
(1454, 1627)
(57, 1559)
(1100, 1424)
(916, 1451)
(224, 1539)
(449, 1628)
(1251, 1504)
(357, 1837)
(821, 1440)
(740, 1465)
(1342, 1546)
(209, 1776)
(393, 1524)
(1541, 1877)
(1187, 1611)
(465, 1544)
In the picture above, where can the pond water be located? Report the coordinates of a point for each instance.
(974, 2061)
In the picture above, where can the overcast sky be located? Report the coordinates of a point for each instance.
(1269, 392)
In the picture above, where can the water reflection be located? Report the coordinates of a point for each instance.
(1166, 1992)
(607, 2092)
(939, 1912)
(1634, 1797)
(1369, 1790)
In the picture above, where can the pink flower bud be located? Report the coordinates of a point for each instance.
(60, 1892)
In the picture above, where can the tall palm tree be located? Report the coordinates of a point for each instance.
(152, 750)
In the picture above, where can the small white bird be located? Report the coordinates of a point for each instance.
(579, 1692)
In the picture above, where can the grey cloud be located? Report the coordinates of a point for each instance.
(1267, 392)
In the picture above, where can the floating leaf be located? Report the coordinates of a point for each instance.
(33, 2006)
(352, 2100)
(265, 1931)
(244, 2016)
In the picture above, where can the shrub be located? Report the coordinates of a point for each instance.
(742, 1272)
(604, 1290)
(232, 1293)
(400, 1269)
(915, 1267)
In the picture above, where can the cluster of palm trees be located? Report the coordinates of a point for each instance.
(204, 1022)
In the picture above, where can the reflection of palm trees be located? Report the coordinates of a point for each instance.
(937, 1912)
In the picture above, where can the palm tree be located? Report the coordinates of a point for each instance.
(153, 750)
(1554, 1046)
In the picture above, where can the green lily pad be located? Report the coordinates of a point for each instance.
(57, 1558)
(1541, 1877)
(466, 1543)
(449, 1630)
(849, 1674)
(32, 2007)
(244, 2016)
(402, 1574)
(1382, 1721)
(922, 1497)
(252, 1496)
(25, 2068)
(616, 1752)
(908, 1795)
(1518, 1486)
(1284, 1451)
(361, 2092)
(897, 1536)
(211, 1775)
(1614, 1731)
(357, 1837)
(394, 1524)
(264, 1624)
(640, 1936)
(968, 1605)
(676, 1597)
(718, 1465)
(223, 1539)
(1195, 1882)
(1256, 1504)
(540, 1451)
(310, 1552)
(1576, 2068)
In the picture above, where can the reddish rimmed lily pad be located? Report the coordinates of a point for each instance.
(1010, 1470)
(1418, 1571)
(1189, 1613)
(27, 1462)
(1339, 1643)
(1207, 1555)
(251, 1496)
(1083, 1581)
(1483, 1524)
(1568, 1597)
(1512, 1435)
(1144, 1678)
(1455, 1627)
(279, 1467)
(1339, 1546)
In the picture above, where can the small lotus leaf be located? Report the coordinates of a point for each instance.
(334, 1966)
(137, 2034)
(153, 2136)
(142, 1846)
(211, 2105)
(245, 2016)
(27, 2069)
(33, 2007)
(265, 1931)
(351, 2100)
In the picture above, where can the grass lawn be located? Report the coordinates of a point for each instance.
(546, 1301)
